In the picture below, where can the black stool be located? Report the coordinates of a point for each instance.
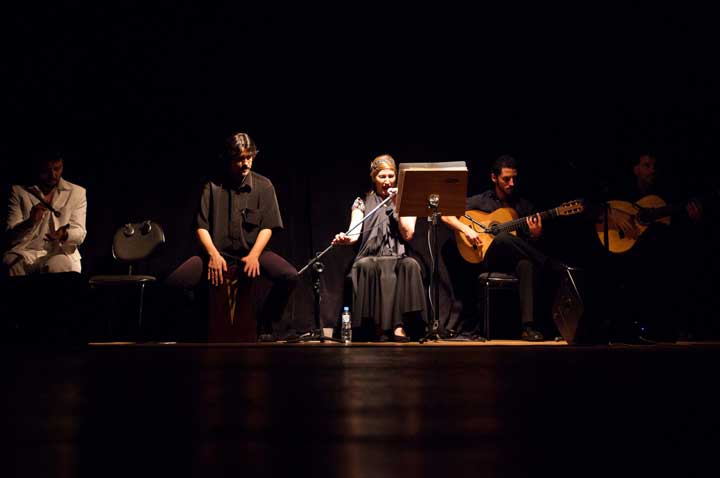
(488, 281)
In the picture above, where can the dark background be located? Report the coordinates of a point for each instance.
(140, 97)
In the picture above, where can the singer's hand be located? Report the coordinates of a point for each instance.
(37, 212)
(342, 240)
(393, 194)
(216, 269)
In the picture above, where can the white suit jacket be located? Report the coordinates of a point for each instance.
(70, 200)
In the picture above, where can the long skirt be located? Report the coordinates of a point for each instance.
(386, 289)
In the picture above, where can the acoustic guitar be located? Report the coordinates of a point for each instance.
(640, 214)
(504, 219)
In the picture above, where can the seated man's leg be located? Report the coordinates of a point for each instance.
(513, 255)
(527, 281)
(284, 278)
(60, 263)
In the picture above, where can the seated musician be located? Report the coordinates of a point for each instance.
(45, 222)
(646, 191)
(387, 282)
(649, 272)
(235, 222)
(509, 253)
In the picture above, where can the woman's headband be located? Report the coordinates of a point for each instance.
(382, 162)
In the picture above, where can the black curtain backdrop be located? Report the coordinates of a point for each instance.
(140, 97)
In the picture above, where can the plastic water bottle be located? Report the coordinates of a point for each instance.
(346, 326)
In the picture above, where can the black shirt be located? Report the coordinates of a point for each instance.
(235, 215)
(489, 202)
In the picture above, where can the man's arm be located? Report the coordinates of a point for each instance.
(217, 265)
(456, 225)
(18, 226)
(76, 231)
(252, 260)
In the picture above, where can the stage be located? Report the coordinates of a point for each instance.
(501, 408)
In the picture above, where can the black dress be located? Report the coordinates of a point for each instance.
(387, 283)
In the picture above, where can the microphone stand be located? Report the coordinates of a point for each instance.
(317, 268)
(433, 332)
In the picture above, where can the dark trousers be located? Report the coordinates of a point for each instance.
(513, 255)
(284, 278)
(647, 287)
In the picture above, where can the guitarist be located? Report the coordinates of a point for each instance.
(648, 285)
(509, 253)
(645, 184)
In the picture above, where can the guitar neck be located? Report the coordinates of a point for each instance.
(518, 223)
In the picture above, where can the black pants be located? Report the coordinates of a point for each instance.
(284, 278)
(647, 287)
(513, 255)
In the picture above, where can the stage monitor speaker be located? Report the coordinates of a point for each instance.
(568, 310)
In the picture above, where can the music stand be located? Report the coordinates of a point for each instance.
(432, 190)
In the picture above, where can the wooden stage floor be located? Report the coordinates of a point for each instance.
(365, 410)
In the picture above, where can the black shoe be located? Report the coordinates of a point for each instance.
(400, 338)
(457, 338)
(266, 338)
(451, 335)
(463, 338)
(529, 334)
